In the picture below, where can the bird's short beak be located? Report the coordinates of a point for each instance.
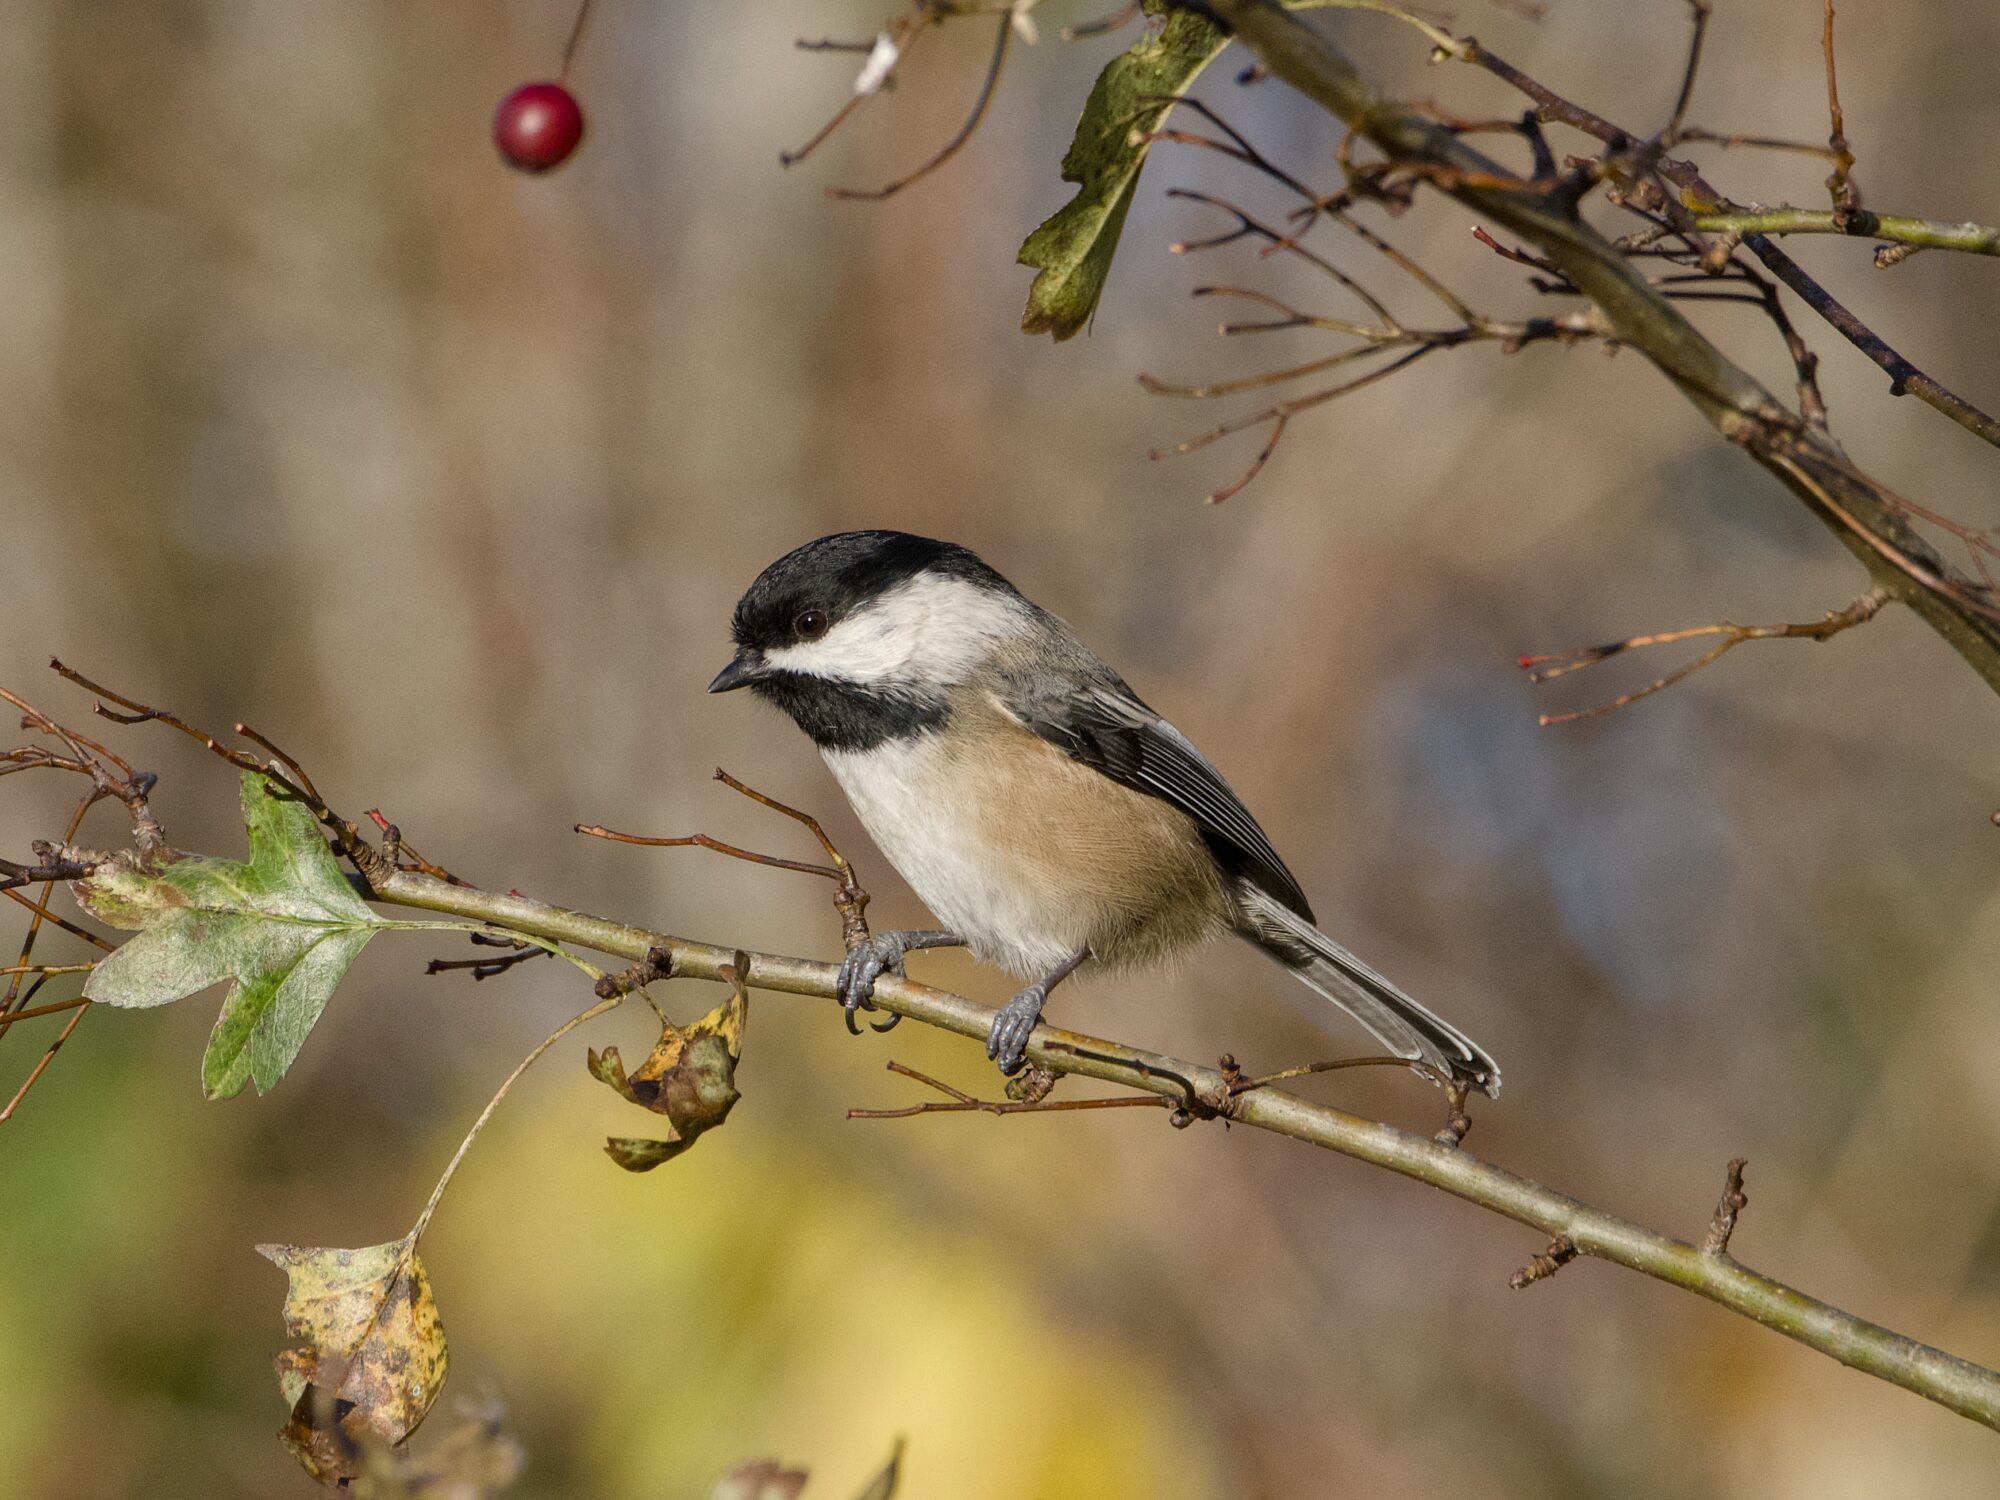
(746, 667)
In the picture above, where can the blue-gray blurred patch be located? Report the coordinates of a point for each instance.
(1635, 855)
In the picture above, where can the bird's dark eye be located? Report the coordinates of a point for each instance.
(811, 625)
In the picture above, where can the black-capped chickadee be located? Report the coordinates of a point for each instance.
(1045, 814)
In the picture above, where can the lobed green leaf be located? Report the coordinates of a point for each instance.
(285, 926)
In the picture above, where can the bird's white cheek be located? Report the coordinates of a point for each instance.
(930, 630)
(861, 648)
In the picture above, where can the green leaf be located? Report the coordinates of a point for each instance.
(285, 927)
(1073, 249)
(371, 1356)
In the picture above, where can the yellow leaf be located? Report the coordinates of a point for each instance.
(371, 1357)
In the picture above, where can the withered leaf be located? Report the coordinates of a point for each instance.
(689, 1077)
(371, 1357)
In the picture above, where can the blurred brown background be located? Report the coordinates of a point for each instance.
(311, 414)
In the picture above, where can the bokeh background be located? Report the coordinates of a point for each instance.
(313, 415)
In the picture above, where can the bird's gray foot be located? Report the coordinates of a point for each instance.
(880, 952)
(1007, 1043)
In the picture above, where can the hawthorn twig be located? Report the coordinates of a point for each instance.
(1845, 197)
(1733, 1202)
(849, 898)
(1911, 233)
(1194, 1093)
(1561, 1251)
(1857, 508)
(958, 1102)
(288, 781)
(1957, 1384)
(1695, 197)
(952, 147)
(903, 33)
(1556, 664)
(400, 854)
(42, 1066)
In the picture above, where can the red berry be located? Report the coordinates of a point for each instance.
(537, 126)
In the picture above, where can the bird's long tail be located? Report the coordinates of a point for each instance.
(1397, 1021)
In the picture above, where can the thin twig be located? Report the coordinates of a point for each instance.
(575, 36)
(958, 1102)
(1115, 20)
(903, 33)
(1700, 12)
(41, 1067)
(952, 147)
(1562, 1250)
(48, 916)
(1860, 223)
(1733, 1202)
(1546, 668)
(1755, 142)
(1839, 183)
(850, 900)
(291, 782)
(1696, 196)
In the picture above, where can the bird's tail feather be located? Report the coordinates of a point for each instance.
(1397, 1021)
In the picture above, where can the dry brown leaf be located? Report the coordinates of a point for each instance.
(371, 1358)
(689, 1077)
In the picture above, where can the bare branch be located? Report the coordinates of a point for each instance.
(1699, 10)
(1562, 1250)
(1542, 669)
(1116, 20)
(1696, 197)
(958, 1102)
(849, 898)
(1859, 223)
(1864, 515)
(903, 33)
(1733, 1201)
(1198, 1093)
(1845, 197)
(953, 146)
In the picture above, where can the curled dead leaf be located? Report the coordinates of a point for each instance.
(689, 1077)
(371, 1358)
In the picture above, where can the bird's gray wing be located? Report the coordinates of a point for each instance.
(1105, 726)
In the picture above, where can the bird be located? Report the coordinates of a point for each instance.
(1049, 818)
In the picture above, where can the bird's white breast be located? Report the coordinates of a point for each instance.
(934, 824)
(1027, 854)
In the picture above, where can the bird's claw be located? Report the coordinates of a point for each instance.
(1007, 1043)
(879, 952)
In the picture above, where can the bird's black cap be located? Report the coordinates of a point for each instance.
(837, 574)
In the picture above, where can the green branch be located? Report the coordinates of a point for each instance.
(1574, 1227)
(1929, 234)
